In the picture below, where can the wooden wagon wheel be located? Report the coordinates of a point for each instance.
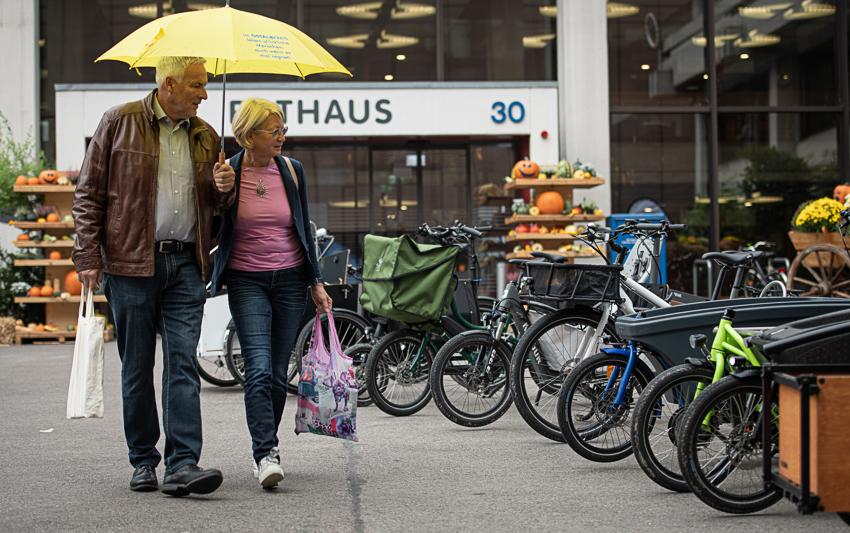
(821, 270)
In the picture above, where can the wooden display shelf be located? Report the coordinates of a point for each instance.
(60, 336)
(571, 255)
(44, 225)
(55, 299)
(43, 262)
(537, 237)
(40, 189)
(553, 183)
(67, 243)
(567, 219)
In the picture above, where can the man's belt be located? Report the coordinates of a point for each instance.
(170, 247)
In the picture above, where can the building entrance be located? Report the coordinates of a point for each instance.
(389, 189)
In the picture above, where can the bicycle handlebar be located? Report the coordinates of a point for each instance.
(471, 231)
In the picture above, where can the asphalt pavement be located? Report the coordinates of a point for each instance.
(419, 473)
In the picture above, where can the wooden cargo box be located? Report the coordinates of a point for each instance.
(829, 437)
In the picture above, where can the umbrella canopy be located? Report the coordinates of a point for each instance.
(232, 41)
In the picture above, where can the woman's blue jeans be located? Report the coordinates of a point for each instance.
(266, 309)
(171, 302)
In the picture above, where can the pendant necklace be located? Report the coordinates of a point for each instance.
(261, 189)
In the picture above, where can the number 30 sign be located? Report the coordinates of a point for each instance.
(514, 111)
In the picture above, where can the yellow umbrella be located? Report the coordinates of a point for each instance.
(231, 41)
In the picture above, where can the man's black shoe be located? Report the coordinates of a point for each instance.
(144, 479)
(191, 479)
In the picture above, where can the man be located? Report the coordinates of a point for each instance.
(143, 210)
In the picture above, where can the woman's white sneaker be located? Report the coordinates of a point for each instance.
(269, 471)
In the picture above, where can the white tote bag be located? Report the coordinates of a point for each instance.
(85, 393)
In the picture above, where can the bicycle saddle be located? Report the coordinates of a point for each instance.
(550, 257)
(733, 258)
(518, 262)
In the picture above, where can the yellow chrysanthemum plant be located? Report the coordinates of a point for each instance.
(814, 215)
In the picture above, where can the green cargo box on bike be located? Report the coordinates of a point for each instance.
(406, 281)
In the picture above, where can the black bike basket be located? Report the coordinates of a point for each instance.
(564, 281)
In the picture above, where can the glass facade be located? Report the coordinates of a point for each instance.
(779, 138)
(776, 54)
(652, 58)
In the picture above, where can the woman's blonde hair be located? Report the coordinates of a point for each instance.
(252, 114)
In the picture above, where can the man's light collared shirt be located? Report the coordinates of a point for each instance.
(175, 187)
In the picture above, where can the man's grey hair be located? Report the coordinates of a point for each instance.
(175, 67)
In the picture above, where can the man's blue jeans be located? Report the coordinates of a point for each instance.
(170, 302)
(266, 309)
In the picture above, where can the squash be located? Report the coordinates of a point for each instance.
(52, 217)
(550, 203)
(533, 210)
(72, 284)
(48, 177)
(24, 237)
(47, 290)
(35, 292)
(33, 181)
(840, 192)
(526, 169)
(55, 256)
(21, 180)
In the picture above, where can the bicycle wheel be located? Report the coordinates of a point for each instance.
(350, 328)
(720, 446)
(469, 388)
(591, 423)
(233, 355)
(359, 353)
(552, 341)
(396, 382)
(213, 368)
(659, 412)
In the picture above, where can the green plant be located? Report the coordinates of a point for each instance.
(16, 159)
(15, 280)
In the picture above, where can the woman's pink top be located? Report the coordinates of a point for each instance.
(265, 236)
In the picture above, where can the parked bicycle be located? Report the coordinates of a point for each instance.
(414, 285)
(469, 377)
(659, 411)
(593, 294)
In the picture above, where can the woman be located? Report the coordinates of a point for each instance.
(267, 260)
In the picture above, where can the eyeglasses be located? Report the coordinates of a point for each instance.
(277, 131)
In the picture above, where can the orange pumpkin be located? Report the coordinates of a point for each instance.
(33, 181)
(48, 177)
(21, 180)
(24, 237)
(35, 292)
(526, 169)
(72, 284)
(841, 192)
(52, 217)
(550, 203)
(54, 255)
(47, 290)
(39, 327)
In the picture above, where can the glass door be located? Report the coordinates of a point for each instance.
(394, 191)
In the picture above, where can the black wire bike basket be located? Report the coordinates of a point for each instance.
(565, 281)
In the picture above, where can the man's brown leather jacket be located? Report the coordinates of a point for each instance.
(115, 201)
